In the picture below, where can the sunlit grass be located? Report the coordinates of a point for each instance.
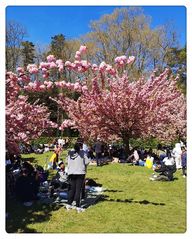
(131, 204)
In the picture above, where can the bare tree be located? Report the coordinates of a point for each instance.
(41, 51)
(15, 34)
(127, 31)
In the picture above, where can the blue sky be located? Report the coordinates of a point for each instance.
(43, 22)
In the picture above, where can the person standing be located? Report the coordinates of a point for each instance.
(184, 161)
(98, 151)
(177, 155)
(77, 164)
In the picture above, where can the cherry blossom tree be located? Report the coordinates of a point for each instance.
(113, 106)
(116, 107)
(24, 121)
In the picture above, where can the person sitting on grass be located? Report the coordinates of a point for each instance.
(135, 157)
(27, 185)
(165, 170)
(62, 175)
(60, 180)
(57, 151)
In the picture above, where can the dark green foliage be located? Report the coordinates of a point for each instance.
(177, 60)
(57, 45)
(144, 143)
(28, 53)
(43, 140)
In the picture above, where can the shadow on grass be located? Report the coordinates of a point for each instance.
(143, 202)
(112, 190)
(31, 160)
(20, 217)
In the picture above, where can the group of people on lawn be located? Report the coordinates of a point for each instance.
(163, 161)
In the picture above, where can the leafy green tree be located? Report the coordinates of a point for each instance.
(176, 59)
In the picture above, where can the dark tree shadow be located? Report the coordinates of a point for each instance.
(112, 190)
(143, 202)
(20, 216)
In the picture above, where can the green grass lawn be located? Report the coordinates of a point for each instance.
(131, 204)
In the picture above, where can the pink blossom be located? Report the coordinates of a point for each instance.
(68, 64)
(20, 69)
(121, 60)
(20, 116)
(84, 89)
(61, 68)
(82, 49)
(77, 57)
(51, 58)
(77, 86)
(77, 63)
(44, 70)
(102, 66)
(85, 64)
(32, 68)
(44, 65)
(78, 53)
(52, 65)
(59, 62)
(49, 85)
(95, 67)
(42, 87)
(45, 75)
(23, 136)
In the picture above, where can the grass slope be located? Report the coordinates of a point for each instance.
(131, 204)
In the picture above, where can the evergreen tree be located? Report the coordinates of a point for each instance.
(57, 45)
(28, 53)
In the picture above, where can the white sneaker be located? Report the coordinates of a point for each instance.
(184, 176)
(152, 179)
(80, 209)
(69, 207)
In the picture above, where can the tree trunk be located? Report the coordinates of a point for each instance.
(58, 121)
(126, 144)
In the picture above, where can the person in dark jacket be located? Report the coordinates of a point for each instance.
(184, 161)
(77, 163)
(98, 147)
(27, 186)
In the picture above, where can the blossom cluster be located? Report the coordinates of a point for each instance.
(66, 124)
(123, 60)
(24, 121)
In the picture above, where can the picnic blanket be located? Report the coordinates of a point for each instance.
(93, 195)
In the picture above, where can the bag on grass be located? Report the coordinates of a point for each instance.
(149, 163)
